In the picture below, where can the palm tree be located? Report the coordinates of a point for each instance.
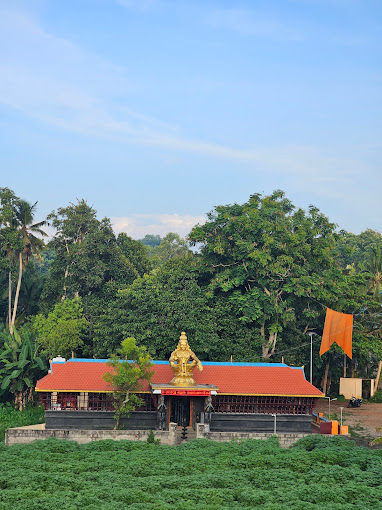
(25, 229)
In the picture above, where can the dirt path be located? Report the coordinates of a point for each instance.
(364, 421)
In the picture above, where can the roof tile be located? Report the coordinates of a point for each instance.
(230, 379)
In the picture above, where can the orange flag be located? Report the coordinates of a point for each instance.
(338, 328)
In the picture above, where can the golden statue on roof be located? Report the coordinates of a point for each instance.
(182, 362)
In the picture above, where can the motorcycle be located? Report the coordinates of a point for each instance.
(355, 402)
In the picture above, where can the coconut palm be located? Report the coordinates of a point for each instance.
(29, 243)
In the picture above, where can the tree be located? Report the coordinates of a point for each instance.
(354, 250)
(151, 240)
(61, 332)
(9, 241)
(87, 255)
(135, 252)
(172, 246)
(131, 367)
(18, 239)
(158, 306)
(20, 366)
(88, 263)
(374, 267)
(267, 256)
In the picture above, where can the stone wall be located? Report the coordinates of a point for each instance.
(285, 440)
(24, 435)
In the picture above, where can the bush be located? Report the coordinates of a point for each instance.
(10, 417)
(377, 397)
(151, 438)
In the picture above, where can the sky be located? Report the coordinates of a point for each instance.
(156, 111)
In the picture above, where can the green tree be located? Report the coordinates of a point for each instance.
(31, 244)
(267, 256)
(131, 366)
(62, 331)
(158, 306)
(135, 252)
(373, 265)
(88, 263)
(151, 240)
(9, 241)
(18, 239)
(354, 250)
(87, 255)
(20, 366)
(172, 246)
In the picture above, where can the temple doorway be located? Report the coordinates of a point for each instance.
(180, 411)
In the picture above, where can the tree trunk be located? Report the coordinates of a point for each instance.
(17, 288)
(10, 302)
(269, 348)
(19, 400)
(325, 378)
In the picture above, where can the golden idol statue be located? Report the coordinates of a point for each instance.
(182, 362)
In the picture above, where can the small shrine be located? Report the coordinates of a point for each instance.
(224, 396)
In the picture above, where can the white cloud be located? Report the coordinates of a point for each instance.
(138, 225)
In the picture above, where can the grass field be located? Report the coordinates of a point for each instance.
(318, 472)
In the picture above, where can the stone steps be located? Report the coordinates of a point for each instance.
(191, 434)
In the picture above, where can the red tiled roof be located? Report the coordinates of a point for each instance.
(230, 379)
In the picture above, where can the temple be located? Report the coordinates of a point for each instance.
(184, 391)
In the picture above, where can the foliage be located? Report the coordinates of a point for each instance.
(131, 367)
(270, 259)
(135, 252)
(172, 246)
(61, 331)
(151, 438)
(11, 417)
(263, 278)
(377, 397)
(319, 472)
(157, 307)
(20, 366)
(87, 255)
(353, 250)
(18, 240)
(151, 240)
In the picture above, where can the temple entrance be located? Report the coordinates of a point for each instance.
(180, 411)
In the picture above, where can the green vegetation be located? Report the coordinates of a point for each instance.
(126, 378)
(20, 367)
(60, 332)
(377, 397)
(10, 417)
(259, 278)
(318, 472)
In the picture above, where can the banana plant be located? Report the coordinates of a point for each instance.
(20, 367)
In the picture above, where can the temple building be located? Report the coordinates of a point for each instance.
(230, 396)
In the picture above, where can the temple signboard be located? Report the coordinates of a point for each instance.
(186, 393)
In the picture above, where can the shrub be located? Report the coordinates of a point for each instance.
(377, 397)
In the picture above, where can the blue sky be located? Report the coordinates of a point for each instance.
(156, 111)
